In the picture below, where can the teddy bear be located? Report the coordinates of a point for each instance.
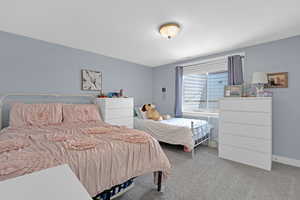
(153, 114)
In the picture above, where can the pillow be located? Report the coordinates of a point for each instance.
(80, 113)
(140, 113)
(137, 112)
(35, 114)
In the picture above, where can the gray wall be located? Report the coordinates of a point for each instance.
(278, 56)
(33, 66)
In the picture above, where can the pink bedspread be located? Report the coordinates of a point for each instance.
(99, 154)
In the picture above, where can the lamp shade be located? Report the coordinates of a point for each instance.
(259, 78)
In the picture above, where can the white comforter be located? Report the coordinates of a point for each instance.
(172, 131)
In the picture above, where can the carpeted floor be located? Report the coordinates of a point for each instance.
(206, 177)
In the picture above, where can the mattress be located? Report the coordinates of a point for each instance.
(174, 131)
(185, 122)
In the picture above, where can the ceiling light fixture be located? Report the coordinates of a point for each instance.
(169, 30)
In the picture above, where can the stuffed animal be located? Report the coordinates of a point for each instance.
(152, 113)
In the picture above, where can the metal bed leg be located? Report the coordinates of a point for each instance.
(159, 181)
(209, 137)
(193, 133)
(193, 153)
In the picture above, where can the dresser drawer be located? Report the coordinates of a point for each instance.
(253, 144)
(262, 132)
(247, 105)
(117, 111)
(118, 103)
(253, 118)
(114, 113)
(252, 158)
(121, 122)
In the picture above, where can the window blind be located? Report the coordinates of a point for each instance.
(203, 86)
(207, 67)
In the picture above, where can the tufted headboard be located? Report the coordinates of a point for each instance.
(8, 99)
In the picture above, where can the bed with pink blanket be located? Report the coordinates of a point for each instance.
(101, 155)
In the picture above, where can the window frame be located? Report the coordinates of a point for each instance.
(209, 60)
(201, 113)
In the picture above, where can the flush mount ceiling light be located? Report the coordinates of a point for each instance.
(169, 30)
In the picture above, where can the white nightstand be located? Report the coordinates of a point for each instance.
(116, 111)
(48, 184)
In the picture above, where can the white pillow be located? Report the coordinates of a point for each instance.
(140, 113)
(144, 116)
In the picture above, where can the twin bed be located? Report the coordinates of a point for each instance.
(178, 131)
(105, 158)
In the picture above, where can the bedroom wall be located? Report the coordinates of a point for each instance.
(278, 56)
(33, 66)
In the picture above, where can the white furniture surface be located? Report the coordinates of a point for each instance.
(245, 130)
(116, 111)
(58, 183)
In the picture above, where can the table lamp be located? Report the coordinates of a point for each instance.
(259, 79)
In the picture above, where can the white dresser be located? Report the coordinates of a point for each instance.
(245, 130)
(116, 111)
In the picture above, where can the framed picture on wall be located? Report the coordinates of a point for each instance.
(233, 91)
(227, 91)
(277, 80)
(91, 80)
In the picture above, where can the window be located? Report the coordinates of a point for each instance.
(202, 88)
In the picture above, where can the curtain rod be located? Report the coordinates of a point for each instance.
(211, 60)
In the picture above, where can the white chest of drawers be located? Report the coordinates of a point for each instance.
(116, 111)
(245, 131)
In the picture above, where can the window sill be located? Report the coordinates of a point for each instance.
(200, 114)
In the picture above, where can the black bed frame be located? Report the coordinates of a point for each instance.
(107, 193)
(159, 181)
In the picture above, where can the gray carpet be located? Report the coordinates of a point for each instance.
(206, 177)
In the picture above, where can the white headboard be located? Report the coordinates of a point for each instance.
(6, 101)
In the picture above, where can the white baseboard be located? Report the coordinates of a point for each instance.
(285, 160)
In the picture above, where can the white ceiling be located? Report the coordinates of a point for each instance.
(128, 29)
